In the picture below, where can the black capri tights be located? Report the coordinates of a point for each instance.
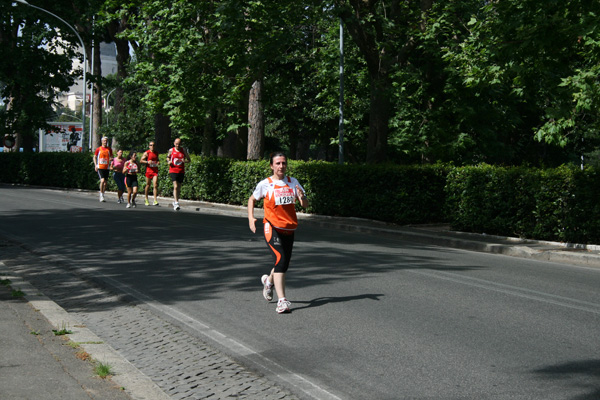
(281, 245)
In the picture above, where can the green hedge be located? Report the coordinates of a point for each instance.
(552, 204)
(65, 170)
(558, 204)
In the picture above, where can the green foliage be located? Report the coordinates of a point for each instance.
(527, 71)
(64, 170)
(396, 194)
(552, 204)
(244, 178)
(490, 199)
(34, 67)
(102, 369)
(507, 82)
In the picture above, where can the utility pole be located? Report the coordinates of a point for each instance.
(341, 122)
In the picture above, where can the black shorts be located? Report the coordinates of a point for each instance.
(131, 181)
(177, 176)
(281, 244)
(103, 174)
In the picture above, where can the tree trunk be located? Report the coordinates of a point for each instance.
(209, 134)
(123, 58)
(162, 133)
(380, 109)
(256, 122)
(97, 93)
(382, 52)
(303, 146)
(235, 144)
(293, 141)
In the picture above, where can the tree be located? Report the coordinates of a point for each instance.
(535, 65)
(385, 34)
(35, 66)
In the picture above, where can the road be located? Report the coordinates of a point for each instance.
(373, 317)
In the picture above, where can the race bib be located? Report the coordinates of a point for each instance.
(178, 161)
(152, 164)
(103, 161)
(284, 196)
(133, 169)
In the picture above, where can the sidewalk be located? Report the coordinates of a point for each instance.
(36, 364)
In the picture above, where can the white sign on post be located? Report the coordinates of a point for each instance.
(64, 136)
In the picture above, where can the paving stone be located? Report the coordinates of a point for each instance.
(181, 365)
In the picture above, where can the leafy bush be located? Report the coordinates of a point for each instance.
(551, 204)
(558, 204)
(74, 170)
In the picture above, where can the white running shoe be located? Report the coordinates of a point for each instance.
(267, 288)
(119, 201)
(102, 198)
(283, 306)
(128, 205)
(133, 204)
(176, 206)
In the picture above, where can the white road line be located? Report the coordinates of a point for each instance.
(309, 388)
(513, 291)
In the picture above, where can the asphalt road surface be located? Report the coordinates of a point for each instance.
(373, 317)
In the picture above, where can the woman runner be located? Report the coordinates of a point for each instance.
(130, 170)
(280, 193)
(116, 165)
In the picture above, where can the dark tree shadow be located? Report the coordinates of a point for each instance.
(583, 375)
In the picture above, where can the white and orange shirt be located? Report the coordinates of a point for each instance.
(104, 154)
(280, 201)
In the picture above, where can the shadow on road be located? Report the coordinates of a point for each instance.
(583, 375)
(189, 256)
(328, 300)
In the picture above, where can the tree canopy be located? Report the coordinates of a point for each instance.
(505, 82)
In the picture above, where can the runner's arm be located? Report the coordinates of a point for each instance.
(251, 219)
(301, 196)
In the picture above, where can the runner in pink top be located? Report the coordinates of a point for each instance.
(116, 165)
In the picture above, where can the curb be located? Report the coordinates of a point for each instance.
(137, 385)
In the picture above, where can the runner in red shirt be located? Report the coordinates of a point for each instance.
(102, 157)
(280, 193)
(177, 157)
(150, 158)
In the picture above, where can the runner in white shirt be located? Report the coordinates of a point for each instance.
(280, 193)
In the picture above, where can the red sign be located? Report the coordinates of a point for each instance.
(9, 141)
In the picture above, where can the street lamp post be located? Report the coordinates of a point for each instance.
(107, 96)
(341, 103)
(84, 62)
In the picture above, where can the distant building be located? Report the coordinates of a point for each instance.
(108, 59)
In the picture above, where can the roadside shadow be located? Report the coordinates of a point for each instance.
(321, 301)
(583, 375)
